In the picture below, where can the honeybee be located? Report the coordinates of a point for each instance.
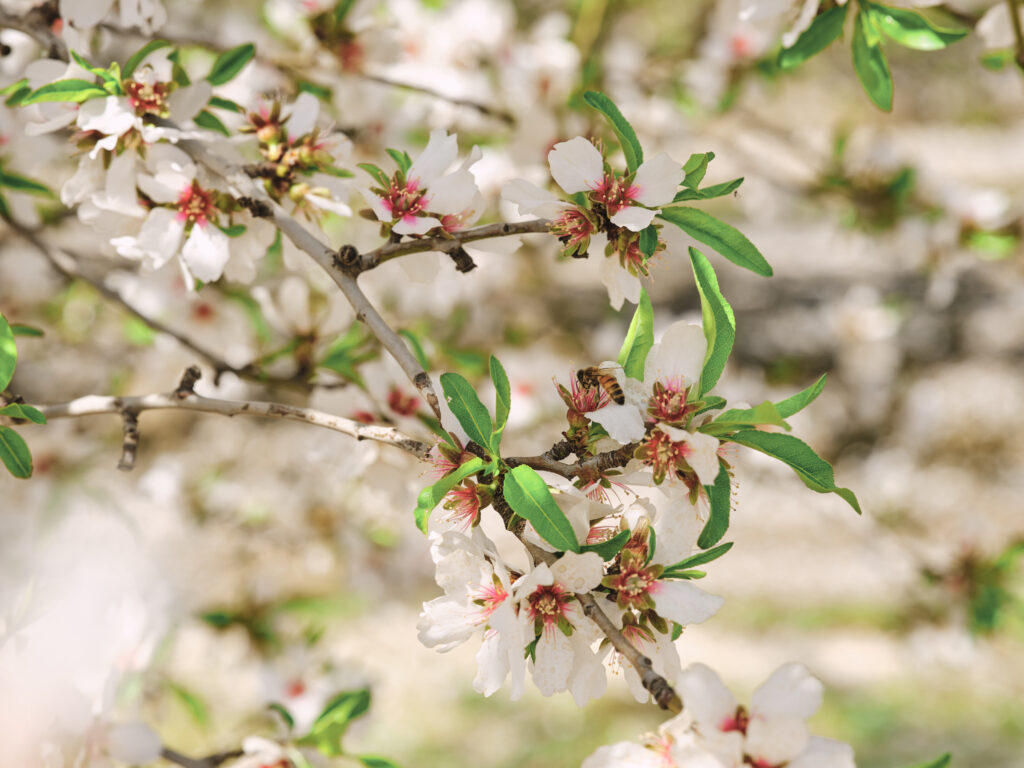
(595, 376)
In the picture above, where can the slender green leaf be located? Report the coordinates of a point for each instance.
(14, 453)
(342, 8)
(14, 87)
(627, 136)
(711, 403)
(610, 548)
(939, 762)
(378, 175)
(195, 706)
(701, 558)
(528, 495)
(639, 339)
(235, 230)
(720, 497)
(347, 704)
(402, 159)
(736, 418)
(684, 574)
(8, 353)
(468, 409)
(18, 95)
(330, 726)
(230, 63)
(696, 168)
(815, 472)
(373, 761)
(24, 184)
(232, 106)
(823, 32)
(416, 347)
(321, 92)
(870, 65)
(211, 122)
(289, 721)
(25, 330)
(717, 320)
(73, 90)
(799, 401)
(22, 411)
(648, 241)
(708, 193)
(727, 240)
(137, 58)
(913, 30)
(502, 401)
(431, 496)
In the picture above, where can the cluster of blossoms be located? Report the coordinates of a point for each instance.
(611, 210)
(715, 731)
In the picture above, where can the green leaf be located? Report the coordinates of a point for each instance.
(639, 339)
(136, 58)
(700, 558)
(529, 496)
(330, 726)
(627, 136)
(22, 411)
(799, 401)
(717, 319)
(14, 453)
(235, 230)
(939, 762)
(402, 159)
(696, 167)
(232, 106)
(8, 353)
(72, 90)
(648, 241)
(708, 193)
(913, 30)
(870, 65)
(711, 402)
(211, 122)
(379, 176)
(289, 721)
(341, 173)
(23, 184)
(230, 63)
(321, 92)
(823, 32)
(431, 496)
(195, 706)
(468, 409)
(25, 330)
(502, 402)
(373, 761)
(719, 495)
(684, 574)
(610, 548)
(18, 95)
(14, 87)
(725, 239)
(735, 418)
(342, 8)
(417, 348)
(815, 472)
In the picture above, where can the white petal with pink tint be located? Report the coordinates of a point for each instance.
(531, 199)
(679, 353)
(705, 696)
(633, 218)
(703, 453)
(576, 165)
(684, 603)
(791, 691)
(657, 180)
(440, 153)
(416, 225)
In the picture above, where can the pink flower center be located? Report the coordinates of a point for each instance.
(401, 403)
(633, 584)
(549, 603)
(572, 227)
(614, 193)
(668, 401)
(464, 503)
(738, 722)
(404, 201)
(634, 261)
(663, 454)
(489, 598)
(196, 205)
(586, 398)
(148, 98)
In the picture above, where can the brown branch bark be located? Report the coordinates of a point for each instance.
(210, 761)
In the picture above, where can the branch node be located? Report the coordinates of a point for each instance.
(347, 260)
(463, 261)
(130, 440)
(187, 385)
(258, 208)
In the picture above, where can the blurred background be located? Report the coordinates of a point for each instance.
(248, 562)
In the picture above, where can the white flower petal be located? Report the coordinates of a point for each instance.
(531, 199)
(776, 741)
(633, 218)
(134, 743)
(680, 353)
(576, 165)
(554, 660)
(824, 753)
(578, 573)
(624, 423)
(303, 115)
(445, 623)
(421, 267)
(185, 103)
(791, 691)
(206, 252)
(706, 697)
(440, 153)
(452, 194)
(416, 225)
(702, 452)
(657, 180)
(621, 285)
(625, 754)
(683, 602)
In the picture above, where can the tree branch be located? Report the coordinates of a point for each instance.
(1018, 33)
(184, 399)
(449, 243)
(37, 23)
(210, 761)
(260, 204)
(587, 470)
